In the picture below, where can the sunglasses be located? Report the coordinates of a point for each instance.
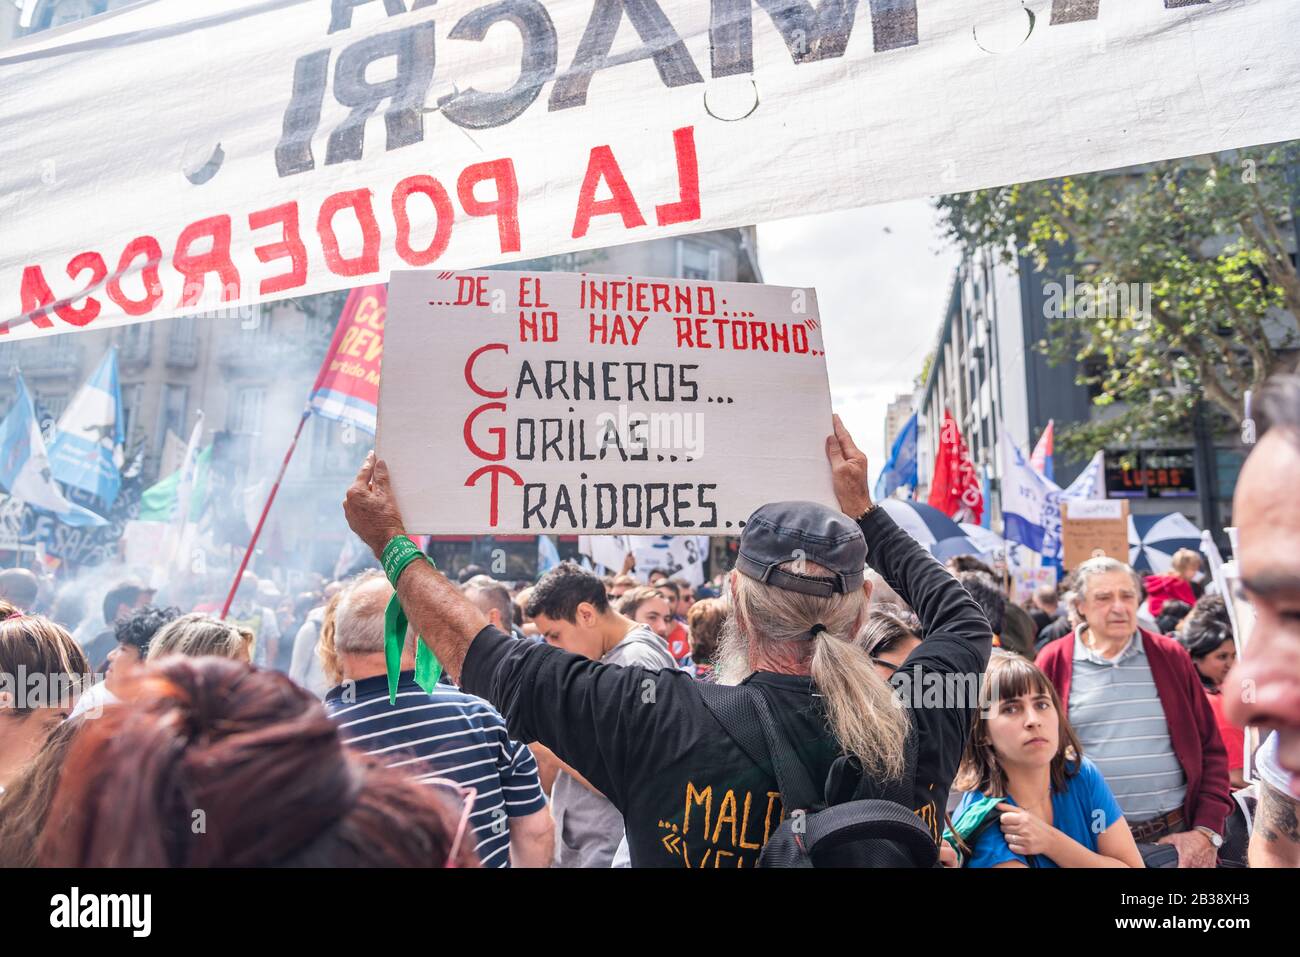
(465, 798)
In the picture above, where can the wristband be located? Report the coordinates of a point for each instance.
(398, 553)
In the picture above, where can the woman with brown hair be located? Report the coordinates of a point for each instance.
(210, 762)
(25, 805)
(1056, 809)
(42, 671)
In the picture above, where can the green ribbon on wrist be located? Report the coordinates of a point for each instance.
(398, 553)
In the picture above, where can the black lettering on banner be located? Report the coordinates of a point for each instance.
(412, 48)
(652, 491)
(709, 504)
(478, 110)
(688, 383)
(662, 394)
(601, 520)
(554, 385)
(519, 440)
(527, 377)
(552, 441)
(680, 506)
(563, 503)
(628, 521)
(584, 382)
(642, 442)
(810, 33)
(534, 510)
(658, 40)
(302, 116)
(607, 380)
(636, 381)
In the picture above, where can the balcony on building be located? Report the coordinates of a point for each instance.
(50, 356)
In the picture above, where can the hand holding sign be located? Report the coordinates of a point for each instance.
(848, 471)
(370, 508)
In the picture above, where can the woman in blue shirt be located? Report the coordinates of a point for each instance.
(1057, 810)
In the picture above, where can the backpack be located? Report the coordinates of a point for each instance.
(840, 825)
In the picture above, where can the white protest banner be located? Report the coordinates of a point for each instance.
(681, 556)
(178, 156)
(553, 403)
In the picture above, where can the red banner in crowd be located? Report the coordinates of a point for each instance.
(956, 484)
(347, 388)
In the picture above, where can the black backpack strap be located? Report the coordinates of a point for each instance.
(731, 706)
(798, 791)
(744, 714)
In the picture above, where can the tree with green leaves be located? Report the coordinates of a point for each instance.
(1204, 241)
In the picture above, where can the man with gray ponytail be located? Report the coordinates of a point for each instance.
(692, 784)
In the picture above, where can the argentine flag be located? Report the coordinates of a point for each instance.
(25, 466)
(1031, 505)
(900, 470)
(87, 449)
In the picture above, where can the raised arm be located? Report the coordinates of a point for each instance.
(946, 610)
(444, 619)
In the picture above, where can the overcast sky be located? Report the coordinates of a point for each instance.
(883, 276)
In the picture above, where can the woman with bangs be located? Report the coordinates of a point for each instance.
(1024, 762)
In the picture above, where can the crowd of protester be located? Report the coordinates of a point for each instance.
(636, 719)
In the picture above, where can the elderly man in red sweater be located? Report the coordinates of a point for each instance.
(1136, 703)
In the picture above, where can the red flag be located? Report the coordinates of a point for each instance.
(347, 388)
(956, 484)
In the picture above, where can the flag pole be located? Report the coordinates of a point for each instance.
(252, 542)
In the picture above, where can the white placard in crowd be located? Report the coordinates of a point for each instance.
(554, 403)
(182, 156)
(682, 556)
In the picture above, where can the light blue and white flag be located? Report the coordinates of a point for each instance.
(25, 466)
(548, 556)
(87, 449)
(900, 470)
(1031, 505)
(1091, 483)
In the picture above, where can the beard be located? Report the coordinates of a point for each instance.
(731, 657)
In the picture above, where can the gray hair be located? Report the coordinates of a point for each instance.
(359, 617)
(1101, 565)
(196, 635)
(766, 621)
(487, 593)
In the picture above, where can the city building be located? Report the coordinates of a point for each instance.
(896, 415)
(987, 370)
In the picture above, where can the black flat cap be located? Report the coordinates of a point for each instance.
(788, 531)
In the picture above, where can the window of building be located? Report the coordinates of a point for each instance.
(171, 415)
(137, 340)
(697, 261)
(183, 342)
(248, 410)
(132, 397)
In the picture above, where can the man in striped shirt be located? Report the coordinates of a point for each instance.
(1135, 701)
(446, 734)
